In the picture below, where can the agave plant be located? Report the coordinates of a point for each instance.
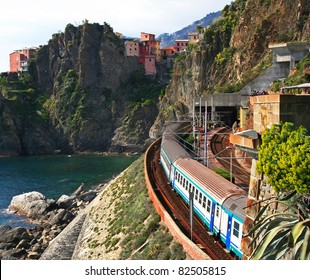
(285, 234)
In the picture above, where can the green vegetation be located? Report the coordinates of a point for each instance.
(70, 104)
(23, 99)
(217, 36)
(284, 157)
(224, 173)
(284, 234)
(301, 75)
(135, 226)
(142, 90)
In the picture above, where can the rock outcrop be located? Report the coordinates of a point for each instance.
(49, 217)
(32, 205)
(80, 90)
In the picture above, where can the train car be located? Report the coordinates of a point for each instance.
(217, 202)
(171, 150)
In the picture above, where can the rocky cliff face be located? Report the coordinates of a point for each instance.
(84, 88)
(234, 51)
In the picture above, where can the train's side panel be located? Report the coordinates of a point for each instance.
(234, 207)
(203, 204)
(165, 162)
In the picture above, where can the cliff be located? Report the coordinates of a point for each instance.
(81, 89)
(233, 52)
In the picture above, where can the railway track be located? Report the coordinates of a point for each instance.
(218, 145)
(176, 207)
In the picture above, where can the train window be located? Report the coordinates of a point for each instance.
(200, 197)
(204, 202)
(209, 206)
(236, 229)
(186, 185)
(196, 194)
(190, 187)
(217, 211)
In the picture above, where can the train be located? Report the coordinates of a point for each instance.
(219, 204)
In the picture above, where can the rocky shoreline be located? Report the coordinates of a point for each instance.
(49, 217)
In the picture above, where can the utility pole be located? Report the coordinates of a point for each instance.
(205, 148)
(194, 125)
(191, 210)
(231, 166)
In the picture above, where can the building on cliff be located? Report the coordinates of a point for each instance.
(180, 45)
(132, 47)
(149, 52)
(19, 59)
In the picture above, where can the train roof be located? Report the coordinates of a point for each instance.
(214, 184)
(174, 150)
(236, 204)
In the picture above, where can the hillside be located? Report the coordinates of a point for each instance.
(234, 51)
(123, 224)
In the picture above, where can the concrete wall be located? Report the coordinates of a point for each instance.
(270, 109)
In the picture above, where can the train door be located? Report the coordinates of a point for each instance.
(228, 233)
(217, 218)
(236, 233)
(212, 216)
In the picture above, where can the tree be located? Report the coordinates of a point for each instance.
(284, 157)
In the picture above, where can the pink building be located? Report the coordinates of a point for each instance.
(149, 52)
(180, 45)
(132, 48)
(19, 60)
(150, 64)
(147, 37)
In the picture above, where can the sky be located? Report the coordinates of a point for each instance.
(25, 24)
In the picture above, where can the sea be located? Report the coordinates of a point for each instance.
(53, 176)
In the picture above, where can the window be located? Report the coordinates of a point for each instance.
(236, 229)
(209, 206)
(204, 202)
(200, 198)
(196, 194)
(217, 211)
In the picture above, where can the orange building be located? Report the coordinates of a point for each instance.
(167, 52)
(19, 60)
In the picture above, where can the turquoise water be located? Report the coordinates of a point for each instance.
(53, 176)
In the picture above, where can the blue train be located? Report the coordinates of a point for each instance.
(218, 203)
